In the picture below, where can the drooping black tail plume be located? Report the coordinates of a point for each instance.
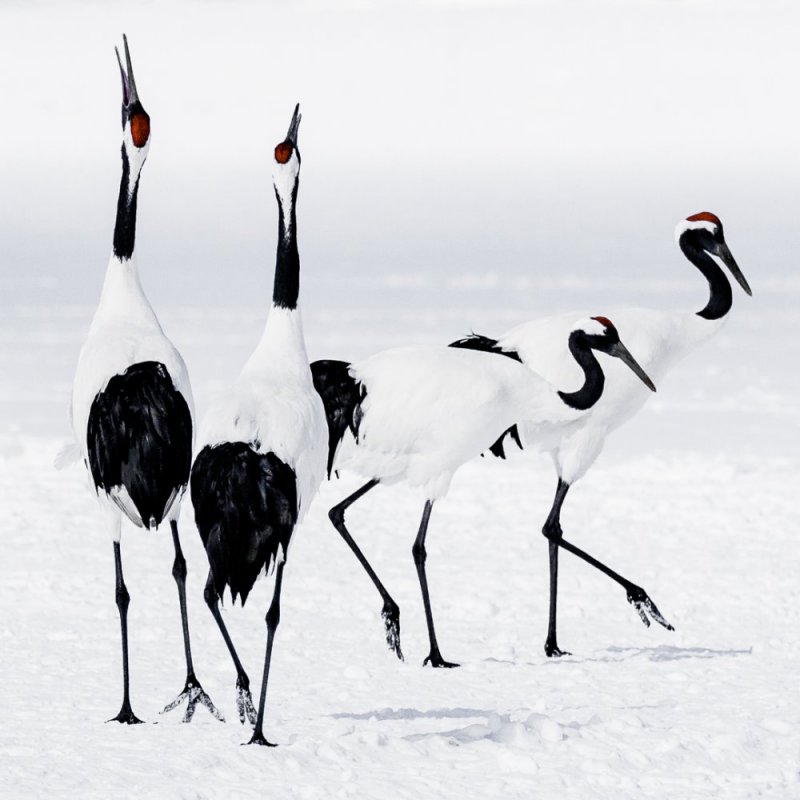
(245, 506)
(487, 345)
(341, 397)
(139, 438)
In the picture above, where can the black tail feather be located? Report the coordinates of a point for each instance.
(341, 397)
(497, 449)
(475, 341)
(245, 506)
(139, 436)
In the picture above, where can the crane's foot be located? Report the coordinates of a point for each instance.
(639, 599)
(436, 661)
(193, 695)
(552, 650)
(126, 716)
(391, 620)
(244, 700)
(258, 738)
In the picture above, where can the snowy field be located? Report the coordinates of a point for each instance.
(464, 166)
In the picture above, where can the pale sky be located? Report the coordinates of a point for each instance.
(442, 142)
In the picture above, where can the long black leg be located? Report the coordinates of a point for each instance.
(637, 596)
(273, 618)
(244, 700)
(126, 714)
(552, 530)
(420, 555)
(192, 692)
(391, 611)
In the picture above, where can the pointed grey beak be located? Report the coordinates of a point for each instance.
(621, 352)
(723, 251)
(294, 125)
(129, 93)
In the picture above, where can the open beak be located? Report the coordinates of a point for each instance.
(621, 352)
(723, 251)
(294, 125)
(129, 93)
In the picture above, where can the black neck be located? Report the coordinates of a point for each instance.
(720, 297)
(593, 377)
(125, 227)
(287, 263)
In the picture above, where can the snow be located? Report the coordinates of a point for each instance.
(464, 167)
(709, 710)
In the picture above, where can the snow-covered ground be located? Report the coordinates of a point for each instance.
(465, 166)
(709, 710)
(704, 518)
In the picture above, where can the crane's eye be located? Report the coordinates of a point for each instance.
(283, 152)
(140, 128)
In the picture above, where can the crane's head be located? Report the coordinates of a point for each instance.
(286, 166)
(703, 231)
(599, 333)
(135, 120)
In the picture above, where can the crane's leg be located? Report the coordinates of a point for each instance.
(192, 692)
(637, 596)
(126, 714)
(391, 611)
(552, 530)
(244, 700)
(273, 618)
(420, 555)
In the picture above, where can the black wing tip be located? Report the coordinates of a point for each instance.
(341, 396)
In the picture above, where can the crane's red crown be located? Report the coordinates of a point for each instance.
(705, 216)
(140, 128)
(605, 322)
(283, 152)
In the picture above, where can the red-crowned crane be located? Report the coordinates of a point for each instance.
(263, 447)
(660, 340)
(132, 403)
(417, 414)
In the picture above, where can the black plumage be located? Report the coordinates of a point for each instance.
(245, 506)
(342, 396)
(139, 436)
(475, 341)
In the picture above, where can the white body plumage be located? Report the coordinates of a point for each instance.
(273, 406)
(428, 410)
(124, 331)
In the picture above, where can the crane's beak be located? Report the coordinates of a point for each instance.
(291, 134)
(724, 252)
(129, 93)
(621, 352)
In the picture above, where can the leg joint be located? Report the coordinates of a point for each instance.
(123, 598)
(210, 595)
(419, 552)
(273, 615)
(336, 516)
(552, 530)
(179, 567)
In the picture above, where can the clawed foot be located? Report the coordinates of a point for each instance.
(258, 738)
(435, 660)
(391, 619)
(244, 700)
(193, 694)
(126, 716)
(638, 598)
(552, 650)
